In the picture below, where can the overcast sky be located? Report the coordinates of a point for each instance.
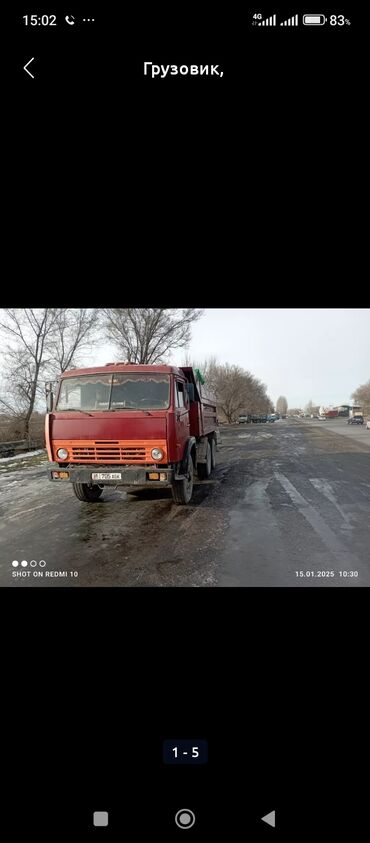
(318, 354)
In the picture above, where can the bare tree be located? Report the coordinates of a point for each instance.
(186, 360)
(257, 399)
(230, 390)
(235, 389)
(282, 405)
(147, 335)
(27, 331)
(18, 382)
(41, 342)
(209, 369)
(72, 335)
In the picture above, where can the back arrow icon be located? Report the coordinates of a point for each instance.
(28, 71)
(270, 818)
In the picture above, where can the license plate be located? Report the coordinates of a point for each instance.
(110, 476)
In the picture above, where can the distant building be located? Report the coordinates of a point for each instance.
(343, 410)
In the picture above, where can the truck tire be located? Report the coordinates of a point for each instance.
(86, 492)
(182, 490)
(204, 468)
(213, 453)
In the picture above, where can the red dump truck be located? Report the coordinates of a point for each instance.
(130, 425)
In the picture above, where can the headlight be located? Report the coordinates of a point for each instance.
(62, 454)
(157, 454)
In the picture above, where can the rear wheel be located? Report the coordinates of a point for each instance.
(182, 490)
(204, 468)
(87, 492)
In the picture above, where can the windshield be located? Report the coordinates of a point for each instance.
(119, 391)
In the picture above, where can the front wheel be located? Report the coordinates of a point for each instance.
(182, 490)
(87, 492)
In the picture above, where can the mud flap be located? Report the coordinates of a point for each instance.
(202, 450)
(183, 467)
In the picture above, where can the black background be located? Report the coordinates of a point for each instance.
(215, 192)
(95, 680)
(189, 174)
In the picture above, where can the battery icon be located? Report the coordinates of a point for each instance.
(314, 20)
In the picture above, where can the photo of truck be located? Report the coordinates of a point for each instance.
(130, 425)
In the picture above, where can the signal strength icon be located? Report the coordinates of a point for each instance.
(268, 21)
(293, 21)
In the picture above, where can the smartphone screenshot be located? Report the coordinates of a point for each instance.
(184, 424)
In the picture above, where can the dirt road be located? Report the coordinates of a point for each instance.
(288, 505)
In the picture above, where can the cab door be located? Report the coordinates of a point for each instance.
(182, 422)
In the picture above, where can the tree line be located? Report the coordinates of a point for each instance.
(39, 344)
(236, 390)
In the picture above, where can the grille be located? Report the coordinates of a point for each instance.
(111, 452)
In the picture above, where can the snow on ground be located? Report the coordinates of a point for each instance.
(21, 456)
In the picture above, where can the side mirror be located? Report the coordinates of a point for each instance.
(49, 396)
(191, 392)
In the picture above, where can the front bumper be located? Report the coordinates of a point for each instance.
(131, 475)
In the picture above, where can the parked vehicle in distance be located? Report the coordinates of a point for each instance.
(368, 425)
(356, 416)
(259, 417)
(243, 420)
